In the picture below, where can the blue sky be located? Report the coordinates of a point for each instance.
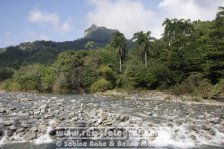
(62, 20)
(16, 27)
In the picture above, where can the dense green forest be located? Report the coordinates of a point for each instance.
(187, 59)
(46, 52)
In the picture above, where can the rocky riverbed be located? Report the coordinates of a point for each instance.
(34, 118)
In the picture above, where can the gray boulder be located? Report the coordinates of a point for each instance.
(31, 136)
(123, 118)
(1, 133)
(103, 116)
(206, 127)
(3, 110)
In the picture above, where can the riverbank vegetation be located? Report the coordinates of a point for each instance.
(187, 59)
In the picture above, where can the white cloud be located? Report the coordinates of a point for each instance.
(193, 9)
(130, 16)
(51, 19)
(43, 37)
(66, 27)
(36, 16)
(127, 16)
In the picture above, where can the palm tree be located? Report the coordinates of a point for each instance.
(167, 23)
(119, 42)
(143, 42)
(175, 28)
(169, 30)
(220, 14)
(188, 27)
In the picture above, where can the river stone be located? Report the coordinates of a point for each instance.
(103, 116)
(7, 123)
(47, 116)
(151, 125)
(52, 132)
(194, 128)
(123, 118)
(37, 116)
(206, 127)
(36, 112)
(20, 129)
(42, 128)
(24, 124)
(3, 110)
(12, 109)
(212, 132)
(43, 108)
(74, 119)
(16, 121)
(61, 118)
(81, 124)
(31, 136)
(111, 122)
(221, 129)
(193, 137)
(171, 120)
(140, 124)
(56, 111)
(150, 114)
(33, 129)
(1, 133)
(93, 114)
(176, 130)
(179, 122)
(215, 121)
(13, 128)
(31, 112)
(9, 133)
(156, 108)
(170, 124)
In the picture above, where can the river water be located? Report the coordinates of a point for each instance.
(174, 124)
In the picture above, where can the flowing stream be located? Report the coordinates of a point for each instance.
(172, 124)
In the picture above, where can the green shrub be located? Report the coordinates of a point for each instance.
(165, 77)
(89, 76)
(130, 73)
(101, 85)
(146, 78)
(26, 78)
(167, 98)
(29, 83)
(194, 84)
(177, 89)
(107, 72)
(197, 99)
(203, 89)
(6, 73)
(60, 85)
(48, 78)
(13, 86)
(217, 91)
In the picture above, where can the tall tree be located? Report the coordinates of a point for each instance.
(90, 45)
(214, 67)
(119, 42)
(143, 43)
(220, 14)
(168, 30)
(177, 32)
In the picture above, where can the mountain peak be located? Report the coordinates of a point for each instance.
(94, 26)
(91, 29)
(97, 32)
